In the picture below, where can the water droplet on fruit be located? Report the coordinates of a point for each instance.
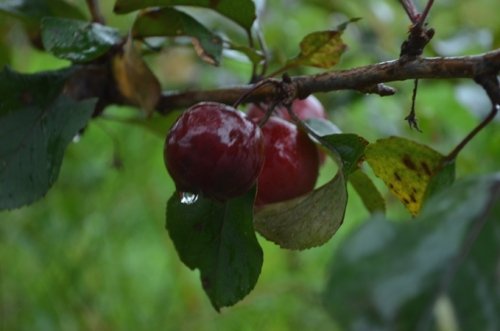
(77, 138)
(188, 198)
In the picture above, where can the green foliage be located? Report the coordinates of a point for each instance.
(242, 12)
(170, 22)
(37, 123)
(219, 240)
(77, 41)
(388, 275)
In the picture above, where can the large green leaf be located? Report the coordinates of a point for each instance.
(476, 306)
(219, 240)
(412, 171)
(388, 275)
(170, 22)
(311, 220)
(308, 221)
(241, 11)
(77, 41)
(36, 125)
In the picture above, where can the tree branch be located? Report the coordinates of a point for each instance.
(367, 79)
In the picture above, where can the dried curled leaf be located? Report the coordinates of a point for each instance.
(135, 80)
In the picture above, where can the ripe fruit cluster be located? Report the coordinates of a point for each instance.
(219, 152)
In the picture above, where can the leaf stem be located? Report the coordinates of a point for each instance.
(95, 11)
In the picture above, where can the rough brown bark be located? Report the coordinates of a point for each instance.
(366, 79)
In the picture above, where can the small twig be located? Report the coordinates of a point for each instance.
(412, 116)
(454, 153)
(380, 89)
(267, 114)
(424, 14)
(491, 86)
(95, 12)
(410, 10)
(419, 35)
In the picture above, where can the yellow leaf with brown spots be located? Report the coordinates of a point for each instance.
(406, 167)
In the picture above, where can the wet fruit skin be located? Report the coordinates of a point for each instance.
(291, 163)
(309, 107)
(214, 150)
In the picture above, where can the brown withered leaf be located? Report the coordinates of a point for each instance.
(135, 81)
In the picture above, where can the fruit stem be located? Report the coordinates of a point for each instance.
(254, 88)
(268, 114)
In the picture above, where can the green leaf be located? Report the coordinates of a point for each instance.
(367, 191)
(36, 125)
(350, 147)
(77, 41)
(307, 221)
(219, 240)
(170, 22)
(322, 127)
(388, 275)
(407, 168)
(241, 11)
(443, 178)
(321, 49)
(475, 305)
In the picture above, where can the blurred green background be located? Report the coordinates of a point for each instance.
(94, 254)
